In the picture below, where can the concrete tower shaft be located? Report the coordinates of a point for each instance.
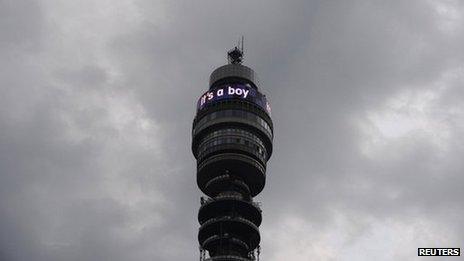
(232, 141)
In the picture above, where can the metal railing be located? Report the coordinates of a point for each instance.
(207, 200)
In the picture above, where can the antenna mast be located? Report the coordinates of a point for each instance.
(235, 55)
(243, 40)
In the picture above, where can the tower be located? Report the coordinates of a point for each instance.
(232, 137)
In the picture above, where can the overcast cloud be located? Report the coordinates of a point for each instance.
(97, 100)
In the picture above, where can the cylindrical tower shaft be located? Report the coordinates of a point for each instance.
(232, 140)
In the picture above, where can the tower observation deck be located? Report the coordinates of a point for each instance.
(232, 141)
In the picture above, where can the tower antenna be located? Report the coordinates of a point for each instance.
(242, 48)
(235, 55)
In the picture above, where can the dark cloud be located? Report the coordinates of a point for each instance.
(98, 99)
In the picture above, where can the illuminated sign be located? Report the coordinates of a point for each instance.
(234, 91)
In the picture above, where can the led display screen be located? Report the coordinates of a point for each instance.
(234, 91)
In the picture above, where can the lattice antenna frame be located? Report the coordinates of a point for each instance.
(235, 55)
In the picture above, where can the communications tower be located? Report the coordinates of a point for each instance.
(232, 137)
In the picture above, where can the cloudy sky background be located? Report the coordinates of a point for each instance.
(97, 100)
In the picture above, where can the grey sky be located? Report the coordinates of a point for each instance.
(97, 100)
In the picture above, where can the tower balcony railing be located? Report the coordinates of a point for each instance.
(207, 200)
(229, 257)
